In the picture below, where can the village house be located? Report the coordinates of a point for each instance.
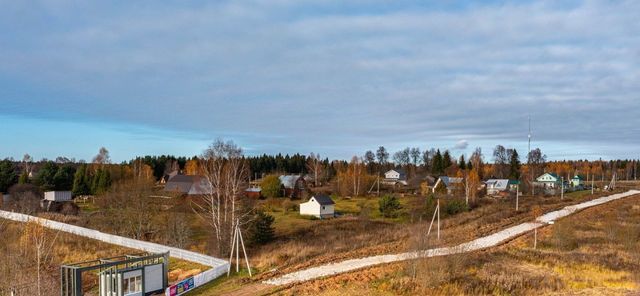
(321, 206)
(577, 181)
(501, 186)
(294, 186)
(549, 180)
(253, 192)
(448, 184)
(395, 176)
(189, 185)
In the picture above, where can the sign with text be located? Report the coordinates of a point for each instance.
(181, 287)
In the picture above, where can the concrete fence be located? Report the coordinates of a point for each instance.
(219, 266)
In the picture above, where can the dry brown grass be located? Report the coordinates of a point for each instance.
(17, 265)
(595, 252)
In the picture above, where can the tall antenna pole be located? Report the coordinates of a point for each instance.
(528, 158)
(529, 134)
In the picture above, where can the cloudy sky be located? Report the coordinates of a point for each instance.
(167, 77)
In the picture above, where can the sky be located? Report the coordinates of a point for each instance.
(329, 77)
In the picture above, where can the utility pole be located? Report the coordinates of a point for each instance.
(592, 181)
(517, 195)
(562, 188)
(466, 190)
(435, 213)
(236, 242)
(438, 219)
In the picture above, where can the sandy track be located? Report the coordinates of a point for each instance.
(477, 244)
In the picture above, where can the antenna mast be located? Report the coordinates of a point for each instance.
(529, 134)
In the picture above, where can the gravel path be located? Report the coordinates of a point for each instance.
(477, 244)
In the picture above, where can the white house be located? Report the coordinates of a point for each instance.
(395, 176)
(549, 180)
(577, 181)
(321, 206)
(495, 186)
(57, 195)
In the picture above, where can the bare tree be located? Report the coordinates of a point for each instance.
(102, 157)
(427, 159)
(500, 161)
(402, 157)
(415, 155)
(36, 238)
(130, 209)
(315, 167)
(382, 155)
(178, 231)
(225, 172)
(27, 160)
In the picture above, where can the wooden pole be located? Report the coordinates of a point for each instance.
(438, 209)
(237, 231)
(433, 219)
(562, 188)
(592, 181)
(233, 243)
(517, 196)
(535, 238)
(244, 251)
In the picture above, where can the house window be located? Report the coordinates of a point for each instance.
(323, 208)
(132, 285)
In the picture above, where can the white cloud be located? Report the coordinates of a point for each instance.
(461, 145)
(303, 73)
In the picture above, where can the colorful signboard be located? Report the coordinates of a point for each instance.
(181, 287)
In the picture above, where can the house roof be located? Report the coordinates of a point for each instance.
(500, 184)
(554, 175)
(450, 180)
(578, 177)
(188, 184)
(324, 200)
(401, 172)
(289, 181)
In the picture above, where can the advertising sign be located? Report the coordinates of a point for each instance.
(181, 287)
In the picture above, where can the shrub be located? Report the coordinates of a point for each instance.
(70, 208)
(456, 206)
(289, 206)
(262, 230)
(389, 206)
(270, 186)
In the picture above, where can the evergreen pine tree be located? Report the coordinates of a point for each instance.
(80, 181)
(446, 160)
(104, 181)
(514, 165)
(437, 163)
(462, 164)
(262, 230)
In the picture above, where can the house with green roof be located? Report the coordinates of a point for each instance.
(577, 181)
(549, 180)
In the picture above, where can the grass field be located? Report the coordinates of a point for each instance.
(594, 252)
(303, 243)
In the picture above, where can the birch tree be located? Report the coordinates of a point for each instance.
(315, 167)
(225, 178)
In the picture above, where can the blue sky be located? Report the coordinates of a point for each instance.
(168, 77)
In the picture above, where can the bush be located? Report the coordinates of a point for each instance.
(456, 206)
(262, 230)
(389, 206)
(271, 186)
(70, 209)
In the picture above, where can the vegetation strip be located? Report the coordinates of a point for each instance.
(477, 244)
